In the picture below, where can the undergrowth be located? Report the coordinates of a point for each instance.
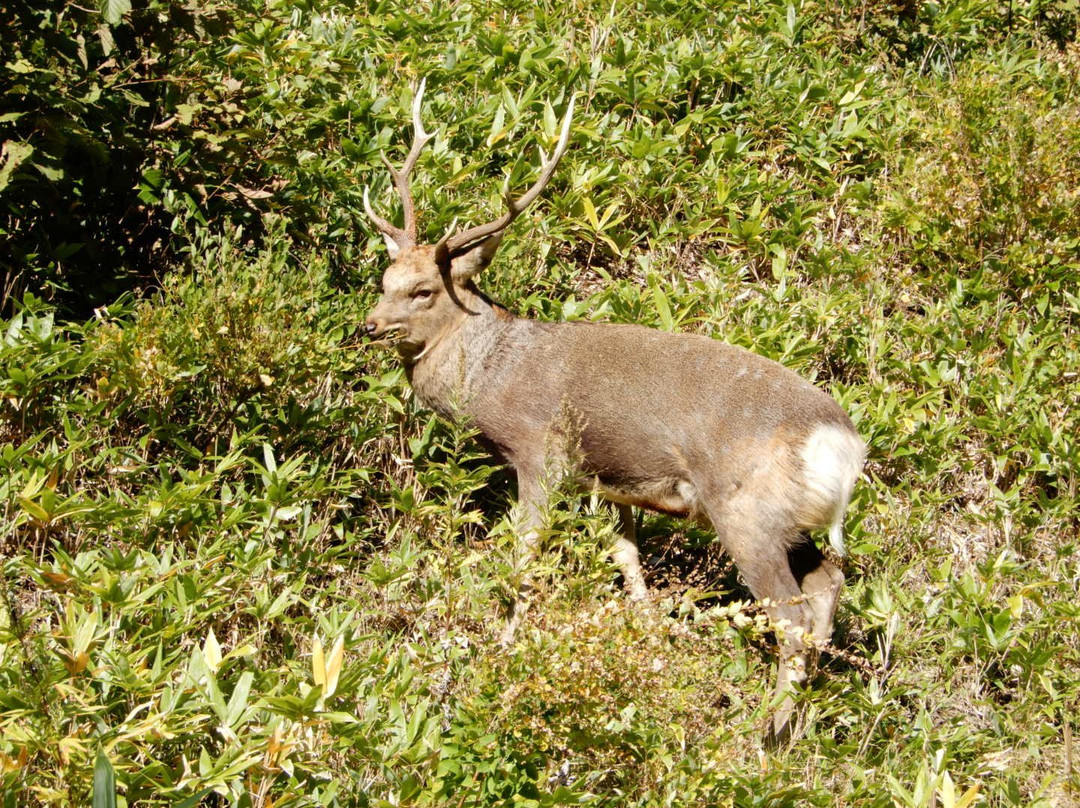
(241, 567)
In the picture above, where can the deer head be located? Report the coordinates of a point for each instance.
(428, 288)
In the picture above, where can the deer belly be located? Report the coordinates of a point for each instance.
(633, 468)
(667, 495)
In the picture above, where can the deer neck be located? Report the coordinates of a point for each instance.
(446, 374)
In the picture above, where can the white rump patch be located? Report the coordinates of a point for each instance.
(832, 461)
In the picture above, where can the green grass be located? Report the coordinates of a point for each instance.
(241, 567)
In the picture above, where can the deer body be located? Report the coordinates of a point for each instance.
(655, 417)
(677, 423)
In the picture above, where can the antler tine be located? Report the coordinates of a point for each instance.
(453, 244)
(396, 233)
(404, 236)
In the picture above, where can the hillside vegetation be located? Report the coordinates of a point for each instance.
(241, 567)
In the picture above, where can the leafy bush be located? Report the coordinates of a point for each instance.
(126, 127)
(993, 183)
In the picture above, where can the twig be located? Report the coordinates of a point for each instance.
(1066, 727)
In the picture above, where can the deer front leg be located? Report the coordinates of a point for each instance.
(625, 554)
(529, 520)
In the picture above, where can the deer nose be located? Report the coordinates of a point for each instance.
(372, 325)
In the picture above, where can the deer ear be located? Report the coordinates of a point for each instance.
(392, 247)
(476, 258)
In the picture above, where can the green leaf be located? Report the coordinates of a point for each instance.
(104, 782)
(289, 513)
(238, 701)
(34, 509)
(663, 309)
(11, 155)
(113, 11)
(50, 173)
(268, 458)
(194, 800)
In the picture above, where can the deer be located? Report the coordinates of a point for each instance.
(678, 423)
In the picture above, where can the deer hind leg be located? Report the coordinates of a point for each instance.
(821, 582)
(625, 553)
(757, 539)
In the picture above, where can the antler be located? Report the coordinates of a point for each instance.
(452, 245)
(404, 236)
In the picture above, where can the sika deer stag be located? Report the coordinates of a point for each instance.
(677, 423)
